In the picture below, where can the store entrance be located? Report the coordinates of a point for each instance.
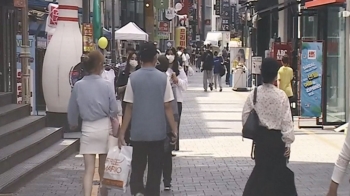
(8, 27)
(324, 24)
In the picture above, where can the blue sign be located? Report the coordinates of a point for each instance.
(311, 79)
(31, 70)
(169, 43)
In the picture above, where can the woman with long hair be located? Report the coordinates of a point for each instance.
(163, 66)
(273, 137)
(179, 80)
(93, 99)
(132, 64)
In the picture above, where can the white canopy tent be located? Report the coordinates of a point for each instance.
(131, 32)
(213, 38)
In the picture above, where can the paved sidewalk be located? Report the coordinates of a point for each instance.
(213, 159)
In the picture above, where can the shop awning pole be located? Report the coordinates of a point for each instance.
(347, 62)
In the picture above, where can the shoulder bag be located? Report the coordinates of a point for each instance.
(251, 125)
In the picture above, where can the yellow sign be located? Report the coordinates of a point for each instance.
(180, 37)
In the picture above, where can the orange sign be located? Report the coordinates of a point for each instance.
(180, 39)
(315, 3)
(19, 3)
(163, 26)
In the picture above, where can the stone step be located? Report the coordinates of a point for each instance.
(12, 112)
(27, 147)
(20, 129)
(5, 98)
(16, 177)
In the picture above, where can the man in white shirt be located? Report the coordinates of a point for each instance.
(146, 104)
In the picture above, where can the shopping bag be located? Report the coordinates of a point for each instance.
(190, 71)
(118, 168)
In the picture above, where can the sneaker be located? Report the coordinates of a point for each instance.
(211, 87)
(205, 90)
(220, 89)
(167, 188)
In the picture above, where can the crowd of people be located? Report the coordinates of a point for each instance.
(148, 94)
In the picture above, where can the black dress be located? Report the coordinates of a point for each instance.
(270, 176)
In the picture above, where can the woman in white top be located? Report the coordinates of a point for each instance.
(340, 167)
(270, 176)
(179, 79)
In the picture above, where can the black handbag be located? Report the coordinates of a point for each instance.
(250, 127)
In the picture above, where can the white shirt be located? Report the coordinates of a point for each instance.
(181, 86)
(342, 162)
(183, 57)
(273, 108)
(108, 75)
(129, 95)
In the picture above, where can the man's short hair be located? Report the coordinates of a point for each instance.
(147, 52)
(285, 59)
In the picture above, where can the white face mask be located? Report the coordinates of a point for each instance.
(133, 63)
(171, 58)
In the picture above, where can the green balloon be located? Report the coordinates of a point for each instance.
(96, 20)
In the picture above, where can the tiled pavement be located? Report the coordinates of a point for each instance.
(213, 159)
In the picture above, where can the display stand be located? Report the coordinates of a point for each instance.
(240, 80)
(240, 60)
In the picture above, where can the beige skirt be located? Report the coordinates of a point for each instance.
(94, 139)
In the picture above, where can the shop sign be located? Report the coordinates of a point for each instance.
(180, 39)
(225, 15)
(163, 26)
(315, 3)
(278, 50)
(311, 64)
(19, 3)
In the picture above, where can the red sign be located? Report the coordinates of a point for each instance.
(185, 7)
(278, 50)
(315, 3)
(53, 14)
(19, 3)
(163, 26)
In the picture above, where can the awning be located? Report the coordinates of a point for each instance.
(279, 7)
(315, 3)
(213, 38)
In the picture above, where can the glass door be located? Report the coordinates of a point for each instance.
(335, 67)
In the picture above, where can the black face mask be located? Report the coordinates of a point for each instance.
(107, 68)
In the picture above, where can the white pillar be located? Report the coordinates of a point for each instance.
(213, 16)
(282, 23)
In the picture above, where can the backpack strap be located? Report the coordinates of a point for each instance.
(255, 94)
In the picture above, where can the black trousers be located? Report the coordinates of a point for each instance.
(227, 79)
(179, 108)
(167, 167)
(151, 154)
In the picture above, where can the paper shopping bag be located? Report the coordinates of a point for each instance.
(118, 168)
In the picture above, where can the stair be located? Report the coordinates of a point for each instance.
(27, 146)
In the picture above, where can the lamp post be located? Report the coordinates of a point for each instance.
(25, 55)
(113, 50)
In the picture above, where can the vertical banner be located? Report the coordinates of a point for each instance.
(311, 64)
(180, 37)
(88, 39)
(31, 71)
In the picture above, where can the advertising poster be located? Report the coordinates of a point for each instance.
(88, 39)
(31, 71)
(278, 50)
(311, 62)
(241, 58)
(180, 39)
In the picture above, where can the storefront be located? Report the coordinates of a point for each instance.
(8, 57)
(321, 22)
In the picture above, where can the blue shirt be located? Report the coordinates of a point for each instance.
(92, 98)
(217, 64)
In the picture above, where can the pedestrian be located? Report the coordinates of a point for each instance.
(285, 79)
(182, 58)
(148, 96)
(180, 81)
(273, 138)
(132, 64)
(168, 162)
(93, 99)
(340, 167)
(207, 68)
(228, 67)
(218, 68)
